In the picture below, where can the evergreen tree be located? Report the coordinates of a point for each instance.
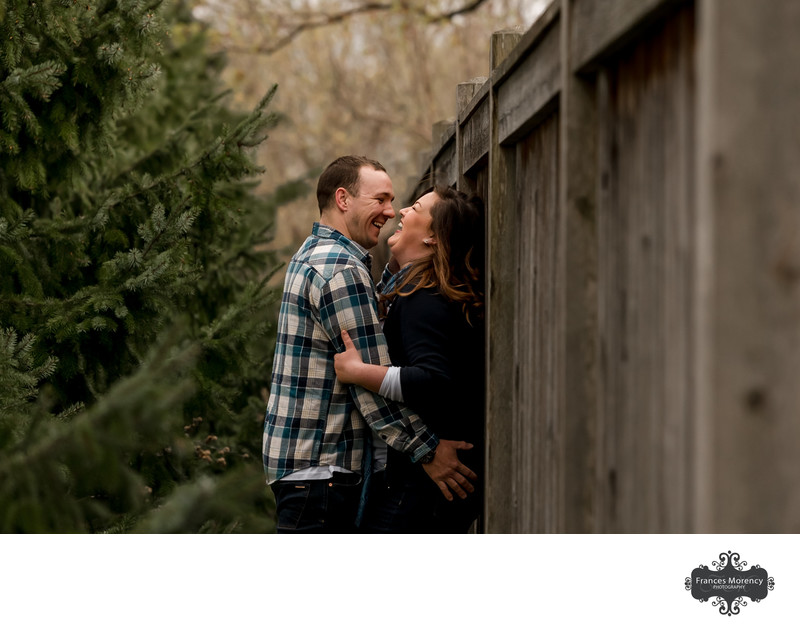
(136, 323)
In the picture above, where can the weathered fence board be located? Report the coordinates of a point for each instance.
(532, 85)
(475, 133)
(645, 279)
(445, 163)
(749, 244)
(537, 416)
(600, 28)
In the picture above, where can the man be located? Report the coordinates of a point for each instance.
(317, 430)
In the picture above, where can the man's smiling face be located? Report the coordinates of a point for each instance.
(369, 210)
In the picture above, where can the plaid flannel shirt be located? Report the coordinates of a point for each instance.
(312, 419)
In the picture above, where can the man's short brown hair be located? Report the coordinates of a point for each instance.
(342, 172)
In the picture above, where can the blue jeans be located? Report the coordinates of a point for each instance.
(322, 506)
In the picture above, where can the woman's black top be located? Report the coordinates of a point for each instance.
(442, 377)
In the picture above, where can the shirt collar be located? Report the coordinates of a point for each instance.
(322, 231)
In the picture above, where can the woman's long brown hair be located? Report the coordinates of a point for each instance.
(455, 266)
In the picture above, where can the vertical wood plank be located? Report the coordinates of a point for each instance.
(646, 268)
(538, 349)
(749, 295)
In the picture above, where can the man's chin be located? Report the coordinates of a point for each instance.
(375, 239)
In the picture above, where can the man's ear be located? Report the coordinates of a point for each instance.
(340, 196)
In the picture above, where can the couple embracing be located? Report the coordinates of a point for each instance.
(375, 416)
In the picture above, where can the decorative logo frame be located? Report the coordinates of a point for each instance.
(729, 583)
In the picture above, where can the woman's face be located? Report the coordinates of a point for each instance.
(407, 243)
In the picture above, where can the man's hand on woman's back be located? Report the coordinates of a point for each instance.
(448, 472)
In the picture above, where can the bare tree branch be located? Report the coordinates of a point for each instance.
(320, 20)
(468, 8)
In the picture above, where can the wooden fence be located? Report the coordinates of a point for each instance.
(640, 160)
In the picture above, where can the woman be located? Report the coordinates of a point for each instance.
(435, 331)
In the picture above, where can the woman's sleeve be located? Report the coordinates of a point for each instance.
(391, 388)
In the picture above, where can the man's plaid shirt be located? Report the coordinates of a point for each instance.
(312, 419)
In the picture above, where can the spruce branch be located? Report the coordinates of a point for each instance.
(233, 139)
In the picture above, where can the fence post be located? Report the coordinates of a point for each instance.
(501, 224)
(578, 231)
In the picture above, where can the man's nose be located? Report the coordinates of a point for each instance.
(388, 210)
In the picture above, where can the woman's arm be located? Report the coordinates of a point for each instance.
(351, 369)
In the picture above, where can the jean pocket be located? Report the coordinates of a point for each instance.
(291, 500)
